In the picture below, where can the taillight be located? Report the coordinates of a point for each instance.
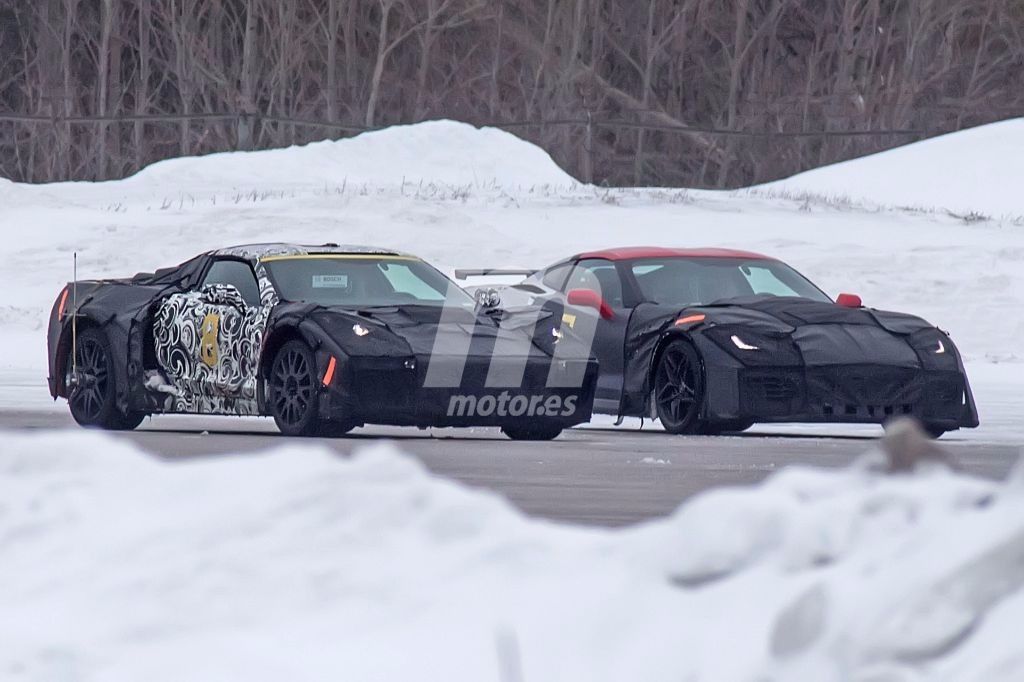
(63, 303)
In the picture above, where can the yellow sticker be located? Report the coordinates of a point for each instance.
(208, 350)
(569, 320)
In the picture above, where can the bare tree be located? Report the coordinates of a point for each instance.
(770, 67)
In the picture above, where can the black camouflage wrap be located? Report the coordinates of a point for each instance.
(182, 349)
(817, 362)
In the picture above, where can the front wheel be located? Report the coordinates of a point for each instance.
(92, 396)
(679, 388)
(292, 392)
(532, 432)
(934, 430)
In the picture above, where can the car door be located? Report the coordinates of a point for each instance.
(602, 277)
(208, 341)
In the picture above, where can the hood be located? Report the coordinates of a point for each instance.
(825, 333)
(786, 314)
(429, 330)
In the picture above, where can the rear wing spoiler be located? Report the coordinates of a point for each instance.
(489, 272)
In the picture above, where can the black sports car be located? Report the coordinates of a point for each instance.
(715, 340)
(321, 338)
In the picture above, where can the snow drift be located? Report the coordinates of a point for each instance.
(301, 565)
(973, 171)
(435, 152)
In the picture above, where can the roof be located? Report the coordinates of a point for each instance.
(257, 251)
(633, 252)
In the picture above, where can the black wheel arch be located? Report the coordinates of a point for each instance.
(282, 331)
(668, 337)
(63, 353)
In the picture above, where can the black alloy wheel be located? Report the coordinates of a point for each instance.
(728, 426)
(294, 392)
(679, 388)
(92, 388)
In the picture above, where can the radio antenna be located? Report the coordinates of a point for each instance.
(74, 322)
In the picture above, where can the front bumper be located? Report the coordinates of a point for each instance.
(861, 394)
(388, 390)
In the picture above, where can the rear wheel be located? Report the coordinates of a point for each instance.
(532, 432)
(93, 389)
(730, 426)
(293, 395)
(679, 388)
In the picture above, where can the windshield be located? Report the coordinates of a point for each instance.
(689, 281)
(362, 281)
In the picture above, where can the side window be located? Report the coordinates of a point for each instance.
(555, 277)
(600, 276)
(763, 281)
(239, 275)
(404, 281)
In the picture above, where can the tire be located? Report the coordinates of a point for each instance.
(130, 421)
(934, 431)
(93, 402)
(332, 429)
(679, 388)
(729, 426)
(532, 432)
(293, 396)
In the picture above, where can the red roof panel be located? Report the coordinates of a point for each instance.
(633, 252)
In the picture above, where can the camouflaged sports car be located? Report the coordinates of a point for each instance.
(323, 339)
(715, 340)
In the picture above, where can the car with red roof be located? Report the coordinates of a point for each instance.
(716, 340)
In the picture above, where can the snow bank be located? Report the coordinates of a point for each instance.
(978, 170)
(301, 565)
(438, 152)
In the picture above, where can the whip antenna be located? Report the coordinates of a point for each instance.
(74, 321)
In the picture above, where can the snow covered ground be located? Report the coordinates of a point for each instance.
(299, 565)
(972, 172)
(463, 197)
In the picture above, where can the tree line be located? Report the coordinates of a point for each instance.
(671, 74)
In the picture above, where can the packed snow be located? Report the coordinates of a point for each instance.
(302, 565)
(464, 197)
(975, 172)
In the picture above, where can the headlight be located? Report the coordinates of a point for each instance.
(755, 347)
(741, 344)
(934, 348)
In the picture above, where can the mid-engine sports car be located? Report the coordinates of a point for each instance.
(715, 340)
(323, 339)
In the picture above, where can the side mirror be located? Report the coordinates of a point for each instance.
(222, 294)
(849, 301)
(585, 298)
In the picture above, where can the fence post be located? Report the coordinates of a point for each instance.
(246, 129)
(588, 152)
